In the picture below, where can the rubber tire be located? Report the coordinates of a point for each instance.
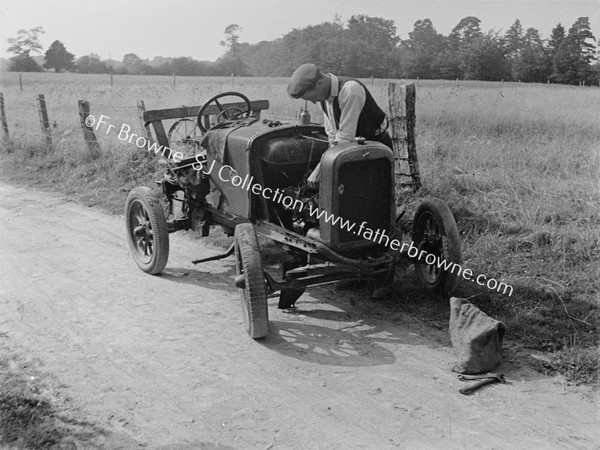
(444, 281)
(143, 197)
(254, 295)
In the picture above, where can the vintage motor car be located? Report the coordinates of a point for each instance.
(249, 176)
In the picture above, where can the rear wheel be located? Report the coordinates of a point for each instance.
(250, 272)
(185, 135)
(435, 233)
(147, 231)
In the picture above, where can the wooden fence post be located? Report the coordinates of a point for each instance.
(3, 118)
(411, 118)
(21, 82)
(86, 126)
(145, 128)
(44, 122)
(401, 114)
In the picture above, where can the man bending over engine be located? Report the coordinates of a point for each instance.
(348, 108)
(349, 111)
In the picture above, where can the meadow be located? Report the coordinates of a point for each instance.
(518, 164)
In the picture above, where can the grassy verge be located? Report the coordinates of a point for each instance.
(36, 413)
(32, 412)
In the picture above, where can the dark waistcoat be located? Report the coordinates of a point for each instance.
(371, 117)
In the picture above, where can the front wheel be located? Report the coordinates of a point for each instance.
(434, 232)
(249, 270)
(147, 231)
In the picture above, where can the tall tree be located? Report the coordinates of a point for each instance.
(460, 40)
(372, 40)
(581, 33)
(232, 37)
(58, 58)
(465, 33)
(91, 64)
(556, 37)
(514, 40)
(133, 64)
(26, 43)
(231, 62)
(531, 65)
(484, 59)
(424, 45)
(572, 62)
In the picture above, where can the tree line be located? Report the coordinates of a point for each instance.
(363, 47)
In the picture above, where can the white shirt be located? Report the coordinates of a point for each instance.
(351, 98)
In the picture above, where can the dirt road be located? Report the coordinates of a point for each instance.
(165, 360)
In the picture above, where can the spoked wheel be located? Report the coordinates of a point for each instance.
(185, 134)
(435, 232)
(147, 231)
(251, 279)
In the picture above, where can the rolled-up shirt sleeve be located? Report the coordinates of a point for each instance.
(329, 128)
(352, 98)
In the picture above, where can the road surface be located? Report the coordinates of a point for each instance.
(165, 360)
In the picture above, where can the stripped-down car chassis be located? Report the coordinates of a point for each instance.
(356, 186)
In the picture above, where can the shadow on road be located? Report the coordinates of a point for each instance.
(325, 345)
(222, 281)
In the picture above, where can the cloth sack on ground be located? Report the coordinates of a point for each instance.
(476, 338)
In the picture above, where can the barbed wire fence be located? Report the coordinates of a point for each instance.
(51, 131)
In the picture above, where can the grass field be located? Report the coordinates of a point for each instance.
(518, 164)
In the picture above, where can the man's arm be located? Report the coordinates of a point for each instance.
(330, 130)
(352, 98)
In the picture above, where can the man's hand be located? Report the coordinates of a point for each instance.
(314, 178)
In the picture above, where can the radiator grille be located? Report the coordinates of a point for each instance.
(365, 196)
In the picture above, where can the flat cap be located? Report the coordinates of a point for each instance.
(303, 79)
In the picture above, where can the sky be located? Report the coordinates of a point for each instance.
(195, 28)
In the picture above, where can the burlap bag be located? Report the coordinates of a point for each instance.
(476, 338)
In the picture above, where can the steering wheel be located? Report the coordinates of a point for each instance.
(225, 114)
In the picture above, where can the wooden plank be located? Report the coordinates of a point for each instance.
(192, 111)
(145, 127)
(159, 131)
